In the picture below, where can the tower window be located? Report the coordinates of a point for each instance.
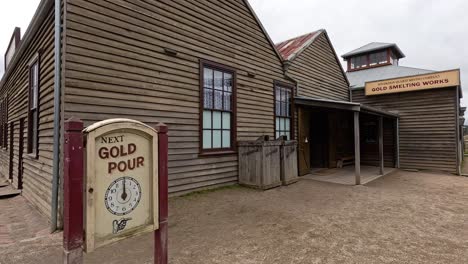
(378, 58)
(359, 62)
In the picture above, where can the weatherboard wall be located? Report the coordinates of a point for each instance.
(427, 126)
(318, 72)
(37, 172)
(117, 67)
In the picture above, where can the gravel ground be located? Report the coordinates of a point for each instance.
(404, 217)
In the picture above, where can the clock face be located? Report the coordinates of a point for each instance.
(122, 196)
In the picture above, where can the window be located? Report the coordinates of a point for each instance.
(369, 60)
(283, 111)
(370, 132)
(218, 108)
(33, 113)
(359, 62)
(378, 58)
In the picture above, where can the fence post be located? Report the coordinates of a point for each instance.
(160, 235)
(73, 192)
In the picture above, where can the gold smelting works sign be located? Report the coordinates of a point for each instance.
(121, 181)
(414, 83)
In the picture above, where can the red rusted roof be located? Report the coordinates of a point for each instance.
(289, 48)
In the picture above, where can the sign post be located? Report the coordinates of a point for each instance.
(160, 235)
(115, 187)
(73, 193)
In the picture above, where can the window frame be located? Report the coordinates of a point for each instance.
(371, 133)
(224, 68)
(33, 151)
(367, 59)
(292, 117)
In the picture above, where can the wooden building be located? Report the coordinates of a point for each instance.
(205, 68)
(210, 72)
(332, 130)
(430, 117)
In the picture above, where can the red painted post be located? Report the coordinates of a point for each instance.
(160, 235)
(73, 192)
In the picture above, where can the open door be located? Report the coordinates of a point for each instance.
(304, 142)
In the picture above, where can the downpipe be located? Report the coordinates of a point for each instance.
(56, 147)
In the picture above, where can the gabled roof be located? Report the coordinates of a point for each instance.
(290, 49)
(358, 79)
(373, 46)
(272, 44)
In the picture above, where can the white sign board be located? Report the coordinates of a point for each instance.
(121, 181)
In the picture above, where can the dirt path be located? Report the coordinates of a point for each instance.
(401, 218)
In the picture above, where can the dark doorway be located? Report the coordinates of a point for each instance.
(319, 140)
(20, 154)
(12, 126)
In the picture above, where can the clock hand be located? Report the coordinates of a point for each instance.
(124, 193)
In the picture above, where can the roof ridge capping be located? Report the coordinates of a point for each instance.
(300, 36)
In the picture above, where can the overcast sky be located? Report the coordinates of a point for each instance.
(433, 34)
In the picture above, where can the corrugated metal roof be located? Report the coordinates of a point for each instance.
(358, 79)
(374, 46)
(289, 49)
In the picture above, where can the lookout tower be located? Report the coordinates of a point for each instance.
(374, 54)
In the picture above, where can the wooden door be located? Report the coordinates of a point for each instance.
(304, 142)
(20, 154)
(11, 151)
